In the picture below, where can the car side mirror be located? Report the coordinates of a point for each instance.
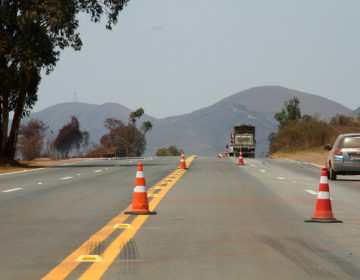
(327, 147)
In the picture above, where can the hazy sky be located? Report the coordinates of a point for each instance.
(175, 56)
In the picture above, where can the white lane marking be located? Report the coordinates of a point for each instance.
(252, 165)
(80, 161)
(97, 171)
(78, 174)
(106, 168)
(36, 169)
(303, 162)
(22, 171)
(281, 178)
(12, 190)
(311, 192)
(263, 171)
(40, 183)
(65, 178)
(316, 165)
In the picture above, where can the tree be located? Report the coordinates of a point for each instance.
(341, 120)
(31, 139)
(32, 35)
(136, 141)
(291, 112)
(123, 139)
(70, 137)
(146, 127)
(112, 125)
(174, 151)
(163, 152)
(301, 134)
(134, 116)
(167, 152)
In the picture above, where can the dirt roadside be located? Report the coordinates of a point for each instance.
(39, 163)
(316, 157)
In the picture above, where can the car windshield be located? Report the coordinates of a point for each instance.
(350, 142)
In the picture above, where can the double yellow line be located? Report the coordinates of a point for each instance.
(104, 261)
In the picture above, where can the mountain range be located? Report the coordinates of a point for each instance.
(204, 131)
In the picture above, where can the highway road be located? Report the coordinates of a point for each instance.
(216, 220)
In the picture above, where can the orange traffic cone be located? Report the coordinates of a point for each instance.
(240, 159)
(182, 164)
(140, 205)
(323, 212)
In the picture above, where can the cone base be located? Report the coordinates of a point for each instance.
(323, 220)
(140, 212)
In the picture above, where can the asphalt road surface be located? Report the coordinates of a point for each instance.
(216, 220)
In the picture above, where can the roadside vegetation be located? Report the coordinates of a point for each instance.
(168, 152)
(70, 137)
(31, 139)
(32, 36)
(297, 133)
(124, 140)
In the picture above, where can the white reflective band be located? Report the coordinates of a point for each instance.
(323, 180)
(139, 174)
(323, 195)
(140, 189)
(182, 160)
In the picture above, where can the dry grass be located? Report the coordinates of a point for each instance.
(316, 156)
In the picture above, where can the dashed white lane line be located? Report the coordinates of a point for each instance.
(76, 162)
(281, 178)
(263, 171)
(22, 171)
(65, 178)
(97, 171)
(79, 174)
(40, 183)
(311, 192)
(12, 190)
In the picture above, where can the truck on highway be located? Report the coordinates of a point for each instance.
(242, 138)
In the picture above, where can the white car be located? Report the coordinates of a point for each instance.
(344, 156)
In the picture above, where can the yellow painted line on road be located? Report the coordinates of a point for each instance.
(71, 262)
(122, 225)
(89, 258)
(97, 270)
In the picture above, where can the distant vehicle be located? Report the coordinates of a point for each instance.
(242, 138)
(344, 156)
